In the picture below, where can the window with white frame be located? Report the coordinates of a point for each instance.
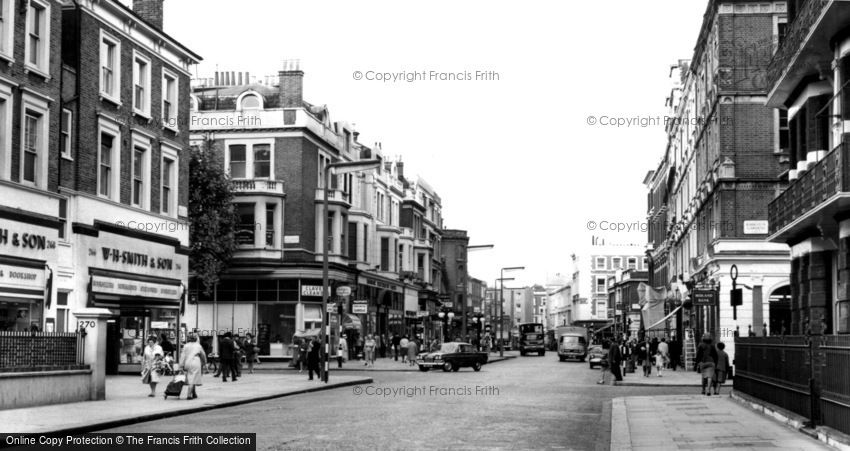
(108, 160)
(250, 160)
(250, 102)
(141, 84)
(5, 129)
(169, 99)
(7, 27)
(65, 133)
(600, 262)
(38, 37)
(600, 284)
(632, 262)
(168, 181)
(323, 164)
(617, 263)
(140, 171)
(110, 67)
(645, 262)
(34, 138)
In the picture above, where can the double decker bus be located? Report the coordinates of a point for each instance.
(531, 339)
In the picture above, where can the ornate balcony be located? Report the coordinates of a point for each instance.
(806, 49)
(814, 198)
(255, 186)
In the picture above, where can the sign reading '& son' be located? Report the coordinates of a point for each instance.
(135, 258)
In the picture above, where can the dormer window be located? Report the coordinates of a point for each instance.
(250, 101)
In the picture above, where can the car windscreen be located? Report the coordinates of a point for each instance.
(566, 339)
(448, 348)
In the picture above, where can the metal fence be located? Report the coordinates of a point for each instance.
(806, 375)
(775, 369)
(40, 350)
(835, 382)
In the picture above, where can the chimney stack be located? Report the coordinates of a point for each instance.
(291, 84)
(150, 11)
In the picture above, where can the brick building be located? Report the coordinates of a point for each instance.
(806, 84)
(122, 172)
(34, 234)
(708, 197)
(385, 226)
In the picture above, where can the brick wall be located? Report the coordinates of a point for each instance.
(88, 105)
(15, 73)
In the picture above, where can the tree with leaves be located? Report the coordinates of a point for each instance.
(212, 217)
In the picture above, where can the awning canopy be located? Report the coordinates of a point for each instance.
(309, 333)
(661, 323)
(350, 321)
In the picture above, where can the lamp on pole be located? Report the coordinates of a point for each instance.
(342, 167)
(474, 247)
(501, 307)
(495, 309)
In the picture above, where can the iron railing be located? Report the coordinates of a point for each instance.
(21, 351)
(835, 383)
(827, 177)
(775, 369)
(798, 31)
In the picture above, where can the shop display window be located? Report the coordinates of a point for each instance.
(276, 324)
(132, 339)
(20, 315)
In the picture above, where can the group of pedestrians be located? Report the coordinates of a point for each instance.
(157, 360)
(712, 363)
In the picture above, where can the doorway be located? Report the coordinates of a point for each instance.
(779, 309)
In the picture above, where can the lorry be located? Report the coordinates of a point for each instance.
(572, 342)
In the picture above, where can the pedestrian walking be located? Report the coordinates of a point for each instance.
(296, 353)
(706, 363)
(615, 359)
(250, 348)
(626, 354)
(342, 350)
(412, 351)
(193, 360)
(369, 350)
(659, 362)
(723, 367)
(664, 350)
(396, 342)
(402, 348)
(150, 365)
(380, 346)
(675, 353)
(435, 345)
(302, 357)
(227, 356)
(605, 364)
(643, 358)
(313, 358)
(487, 342)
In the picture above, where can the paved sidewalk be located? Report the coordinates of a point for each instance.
(127, 402)
(698, 422)
(669, 378)
(381, 364)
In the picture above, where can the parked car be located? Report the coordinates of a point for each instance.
(595, 355)
(452, 357)
(572, 346)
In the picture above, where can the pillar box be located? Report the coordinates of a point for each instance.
(93, 321)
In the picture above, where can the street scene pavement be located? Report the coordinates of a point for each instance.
(522, 403)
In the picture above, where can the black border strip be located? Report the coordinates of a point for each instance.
(21, 261)
(28, 217)
(133, 233)
(133, 276)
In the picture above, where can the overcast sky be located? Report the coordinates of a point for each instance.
(514, 159)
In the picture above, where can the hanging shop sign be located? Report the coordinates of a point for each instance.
(126, 287)
(313, 290)
(380, 284)
(704, 297)
(360, 306)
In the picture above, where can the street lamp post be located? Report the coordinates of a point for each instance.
(501, 306)
(343, 167)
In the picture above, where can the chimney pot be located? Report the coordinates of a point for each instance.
(290, 86)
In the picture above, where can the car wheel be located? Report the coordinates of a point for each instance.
(448, 367)
(423, 368)
(476, 366)
(581, 359)
(591, 365)
(562, 358)
(522, 353)
(541, 353)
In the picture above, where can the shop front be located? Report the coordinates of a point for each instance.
(27, 262)
(142, 282)
(385, 315)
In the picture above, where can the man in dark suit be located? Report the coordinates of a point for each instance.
(313, 358)
(227, 355)
(615, 358)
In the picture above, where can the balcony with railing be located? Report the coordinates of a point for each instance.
(806, 49)
(335, 196)
(819, 193)
(257, 186)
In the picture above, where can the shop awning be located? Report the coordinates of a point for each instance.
(350, 321)
(660, 323)
(309, 333)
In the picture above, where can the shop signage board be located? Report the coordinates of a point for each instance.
(344, 290)
(126, 287)
(422, 313)
(448, 304)
(27, 240)
(313, 290)
(21, 277)
(331, 307)
(360, 306)
(704, 297)
(380, 284)
(756, 227)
